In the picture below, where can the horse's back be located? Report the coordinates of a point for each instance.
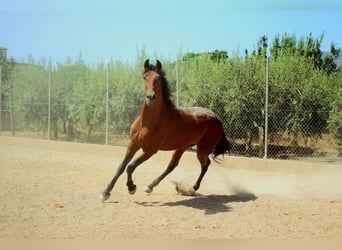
(210, 125)
(198, 116)
(198, 112)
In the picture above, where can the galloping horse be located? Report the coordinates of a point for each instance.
(162, 126)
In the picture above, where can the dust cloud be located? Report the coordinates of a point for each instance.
(320, 184)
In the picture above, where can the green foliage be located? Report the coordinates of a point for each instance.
(30, 94)
(215, 56)
(6, 94)
(308, 47)
(335, 114)
(298, 94)
(79, 96)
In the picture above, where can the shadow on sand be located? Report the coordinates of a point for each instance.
(210, 204)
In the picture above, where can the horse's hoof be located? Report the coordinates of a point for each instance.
(132, 191)
(148, 190)
(105, 196)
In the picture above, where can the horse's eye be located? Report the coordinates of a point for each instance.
(144, 77)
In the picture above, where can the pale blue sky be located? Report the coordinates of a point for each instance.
(105, 29)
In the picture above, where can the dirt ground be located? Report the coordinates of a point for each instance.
(51, 190)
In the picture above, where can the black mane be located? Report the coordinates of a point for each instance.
(165, 84)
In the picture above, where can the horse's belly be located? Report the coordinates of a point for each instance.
(180, 139)
(174, 145)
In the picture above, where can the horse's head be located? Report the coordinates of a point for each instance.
(153, 82)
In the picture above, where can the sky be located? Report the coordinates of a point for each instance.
(102, 30)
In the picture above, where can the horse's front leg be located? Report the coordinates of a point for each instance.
(132, 188)
(132, 148)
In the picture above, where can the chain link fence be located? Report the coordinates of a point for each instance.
(282, 108)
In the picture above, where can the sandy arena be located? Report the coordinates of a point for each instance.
(51, 190)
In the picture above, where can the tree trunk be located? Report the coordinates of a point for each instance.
(89, 131)
(55, 128)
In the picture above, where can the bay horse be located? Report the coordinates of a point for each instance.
(163, 126)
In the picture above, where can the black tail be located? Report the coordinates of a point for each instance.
(222, 147)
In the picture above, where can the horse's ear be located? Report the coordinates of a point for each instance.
(147, 64)
(159, 65)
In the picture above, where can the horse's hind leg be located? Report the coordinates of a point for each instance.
(204, 148)
(205, 162)
(172, 165)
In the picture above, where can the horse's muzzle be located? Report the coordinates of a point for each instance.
(150, 98)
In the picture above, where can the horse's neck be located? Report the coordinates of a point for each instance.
(151, 116)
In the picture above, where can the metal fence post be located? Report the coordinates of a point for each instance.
(0, 101)
(266, 107)
(12, 125)
(177, 82)
(107, 104)
(49, 101)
